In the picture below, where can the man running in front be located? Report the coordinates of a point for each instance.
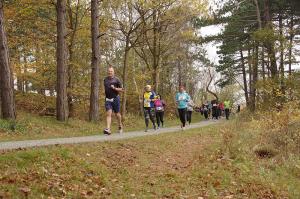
(113, 87)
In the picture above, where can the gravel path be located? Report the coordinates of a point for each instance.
(96, 138)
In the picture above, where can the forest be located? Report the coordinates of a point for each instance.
(54, 55)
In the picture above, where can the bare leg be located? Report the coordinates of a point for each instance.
(119, 117)
(108, 119)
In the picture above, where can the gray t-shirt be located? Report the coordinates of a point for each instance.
(109, 92)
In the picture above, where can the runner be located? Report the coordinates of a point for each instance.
(214, 109)
(159, 105)
(113, 87)
(227, 108)
(238, 108)
(149, 111)
(182, 99)
(205, 110)
(219, 111)
(190, 109)
(209, 109)
(221, 105)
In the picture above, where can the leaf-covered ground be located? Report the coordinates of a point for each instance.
(212, 162)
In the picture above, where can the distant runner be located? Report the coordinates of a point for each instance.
(113, 87)
(149, 111)
(227, 106)
(159, 105)
(182, 99)
(190, 109)
(205, 110)
(214, 109)
(238, 108)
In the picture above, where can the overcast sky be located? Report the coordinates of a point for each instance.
(212, 47)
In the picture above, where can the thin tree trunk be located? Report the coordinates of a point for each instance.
(136, 86)
(244, 77)
(254, 79)
(26, 83)
(259, 27)
(268, 67)
(73, 22)
(19, 76)
(95, 83)
(61, 99)
(6, 77)
(281, 67)
(270, 45)
(250, 74)
(263, 63)
(155, 52)
(179, 73)
(208, 85)
(70, 84)
(0, 101)
(163, 79)
(291, 42)
(126, 53)
(156, 78)
(258, 16)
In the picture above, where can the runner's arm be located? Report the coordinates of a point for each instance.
(120, 90)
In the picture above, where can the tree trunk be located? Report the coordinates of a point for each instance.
(95, 83)
(258, 16)
(281, 67)
(244, 77)
(156, 78)
(136, 86)
(20, 85)
(25, 77)
(208, 85)
(179, 73)
(263, 63)
(70, 84)
(0, 101)
(155, 52)
(254, 79)
(268, 67)
(291, 42)
(73, 23)
(6, 77)
(7, 86)
(250, 74)
(126, 53)
(270, 44)
(61, 99)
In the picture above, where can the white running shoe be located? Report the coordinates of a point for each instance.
(106, 131)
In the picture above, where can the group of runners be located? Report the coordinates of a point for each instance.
(214, 109)
(154, 105)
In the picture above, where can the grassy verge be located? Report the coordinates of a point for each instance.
(211, 162)
(29, 126)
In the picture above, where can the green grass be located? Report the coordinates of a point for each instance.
(211, 162)
(29, 126)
